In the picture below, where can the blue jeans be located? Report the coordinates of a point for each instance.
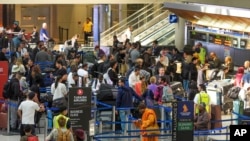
(123, 114)
(13, 113)
(185, 85)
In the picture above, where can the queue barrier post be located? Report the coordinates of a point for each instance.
(8, 118)
(126, 125)
(227, 131)
(113, 118)
(162, 118)
(46, 127)
(100, 127)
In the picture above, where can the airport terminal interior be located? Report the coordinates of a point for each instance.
(79, 58)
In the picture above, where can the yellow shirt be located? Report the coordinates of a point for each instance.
(87, 27)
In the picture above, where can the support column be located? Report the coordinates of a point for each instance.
(1, 15)
(180, 34)
(122, 11)
(105, 17)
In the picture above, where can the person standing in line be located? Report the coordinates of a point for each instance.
(201, 121)
(44, 35)
(87, 29)
(34, 35)
(147, 122)
(125, 100)
(26, 111)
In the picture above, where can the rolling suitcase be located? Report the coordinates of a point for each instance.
(238, 107)
(215, 116)
(3, 118)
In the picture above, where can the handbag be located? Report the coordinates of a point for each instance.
(60, 102)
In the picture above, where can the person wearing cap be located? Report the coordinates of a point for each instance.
(26, 112)
(201, 121)
(16, 27)
(148, 120)
(63, 111)
(14, 95)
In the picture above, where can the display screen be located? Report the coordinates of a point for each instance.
(195, 35)
(222, 40)
(243, 43)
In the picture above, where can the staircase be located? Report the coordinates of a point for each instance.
(149, 23)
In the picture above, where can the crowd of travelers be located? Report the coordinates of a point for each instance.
(142, 76)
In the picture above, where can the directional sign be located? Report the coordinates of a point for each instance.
(173, 18)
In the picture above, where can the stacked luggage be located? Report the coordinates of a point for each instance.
(178, 90)
(217, 90)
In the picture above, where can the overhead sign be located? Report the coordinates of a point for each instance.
(173, 18)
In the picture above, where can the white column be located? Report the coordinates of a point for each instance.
(180, 33)
(122, 11)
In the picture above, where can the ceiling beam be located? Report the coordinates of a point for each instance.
(230, 3)
(82, 1)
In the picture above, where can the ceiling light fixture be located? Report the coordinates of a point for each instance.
(196, 17)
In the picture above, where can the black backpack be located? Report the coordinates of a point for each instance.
(233, 92)
(6, 90)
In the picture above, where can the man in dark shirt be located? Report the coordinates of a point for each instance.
(124, 100)
(16, 27)
(2, 55)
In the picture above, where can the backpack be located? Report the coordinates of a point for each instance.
(107, 78)
(32, 138)
(167, 94)
(7, 90)
(63, 136)
(233, 92)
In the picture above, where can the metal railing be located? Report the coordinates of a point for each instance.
(125, 22)
(146, 17)
(163, 31)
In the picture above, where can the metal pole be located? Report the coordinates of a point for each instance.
(100, 127)
(113, 118)
(226, 133)
(162, 119)
(46, 127)
(126, 124)
(8, 114)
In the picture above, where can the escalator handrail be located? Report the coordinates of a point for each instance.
(125, 22)
(161, 29)
(133, 33)
(155, 33)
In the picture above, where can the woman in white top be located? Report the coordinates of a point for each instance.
(58, 89)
